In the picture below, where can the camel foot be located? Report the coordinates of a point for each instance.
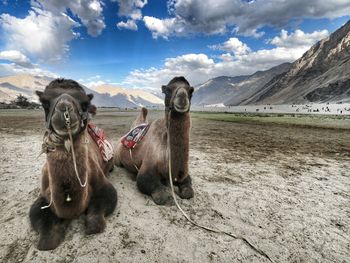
(162, 197)
(52, 239)
(50, 228)
(94, 224)
(186, 192)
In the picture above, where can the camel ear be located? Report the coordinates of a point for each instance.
(39, 93)
(164, 89)
(90, 96)
(191, 90)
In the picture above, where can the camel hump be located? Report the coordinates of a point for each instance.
(141, 118)
(144, 112)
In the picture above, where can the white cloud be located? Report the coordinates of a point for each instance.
(195, 67)
(127, 7)
(240, 60)
(129, 24)
(132, 10)
(16, 57)
(44, 34)
(298, 38)
(88, 11)
(92, 84)
(163, 27)
(18, 63)
(233, 45)
(15, 69)
(246, 18)
(40, 34)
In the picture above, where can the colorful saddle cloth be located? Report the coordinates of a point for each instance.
(134, 136)
(100, 138)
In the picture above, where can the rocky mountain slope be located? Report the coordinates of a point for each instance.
(322, 74)
(25, 84)
(233, 90)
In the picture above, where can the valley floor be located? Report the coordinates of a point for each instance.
(283, 187)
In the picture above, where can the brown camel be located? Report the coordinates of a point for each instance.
(74, 175)
(149, 159)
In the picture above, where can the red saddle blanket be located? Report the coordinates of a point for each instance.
(134, 136)
(100, 138)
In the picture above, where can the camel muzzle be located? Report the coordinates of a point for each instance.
(181, 102)
(56, 117)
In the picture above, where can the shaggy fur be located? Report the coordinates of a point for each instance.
(150, 155)
(98, 199)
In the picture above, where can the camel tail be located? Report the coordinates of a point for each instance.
(141, 118)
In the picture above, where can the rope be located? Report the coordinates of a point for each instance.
(75, 161)
(132, 160)
(194, 222)
(47, 206)
(67, 119)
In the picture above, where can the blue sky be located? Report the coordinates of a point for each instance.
(143, 44)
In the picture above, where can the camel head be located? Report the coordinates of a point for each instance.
(178, 94)
(62, 98)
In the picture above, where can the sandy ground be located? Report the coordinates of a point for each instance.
(286, 189)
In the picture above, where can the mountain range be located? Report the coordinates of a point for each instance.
(104, 95)
(320, 75)
(233, 90)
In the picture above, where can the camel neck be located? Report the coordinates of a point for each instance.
(179, 131)
(61, 153)
(66, 178)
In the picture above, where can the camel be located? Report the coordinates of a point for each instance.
(74, 176)
(149, 159)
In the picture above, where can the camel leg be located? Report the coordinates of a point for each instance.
(150, 184)
(102, 203)
(185, 188)
(50, 228)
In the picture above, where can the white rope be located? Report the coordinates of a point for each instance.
(132, 160)
(67, 119)
(47, 206)
(187, 216)
(75, 161)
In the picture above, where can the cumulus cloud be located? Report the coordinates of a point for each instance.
(246, 18)
(298, 38)
(195, 67)
(93, 84)
(45, 33)
(17, 63)
(239, 59)
(129, 24)
(88, 11)
(132, 10)
(7, 69)
(233, 45)
(164, 27)
(16, 57)
(40, 34)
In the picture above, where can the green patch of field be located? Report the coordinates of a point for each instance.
(316, 121)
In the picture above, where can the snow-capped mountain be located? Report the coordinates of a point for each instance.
(106, 95)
